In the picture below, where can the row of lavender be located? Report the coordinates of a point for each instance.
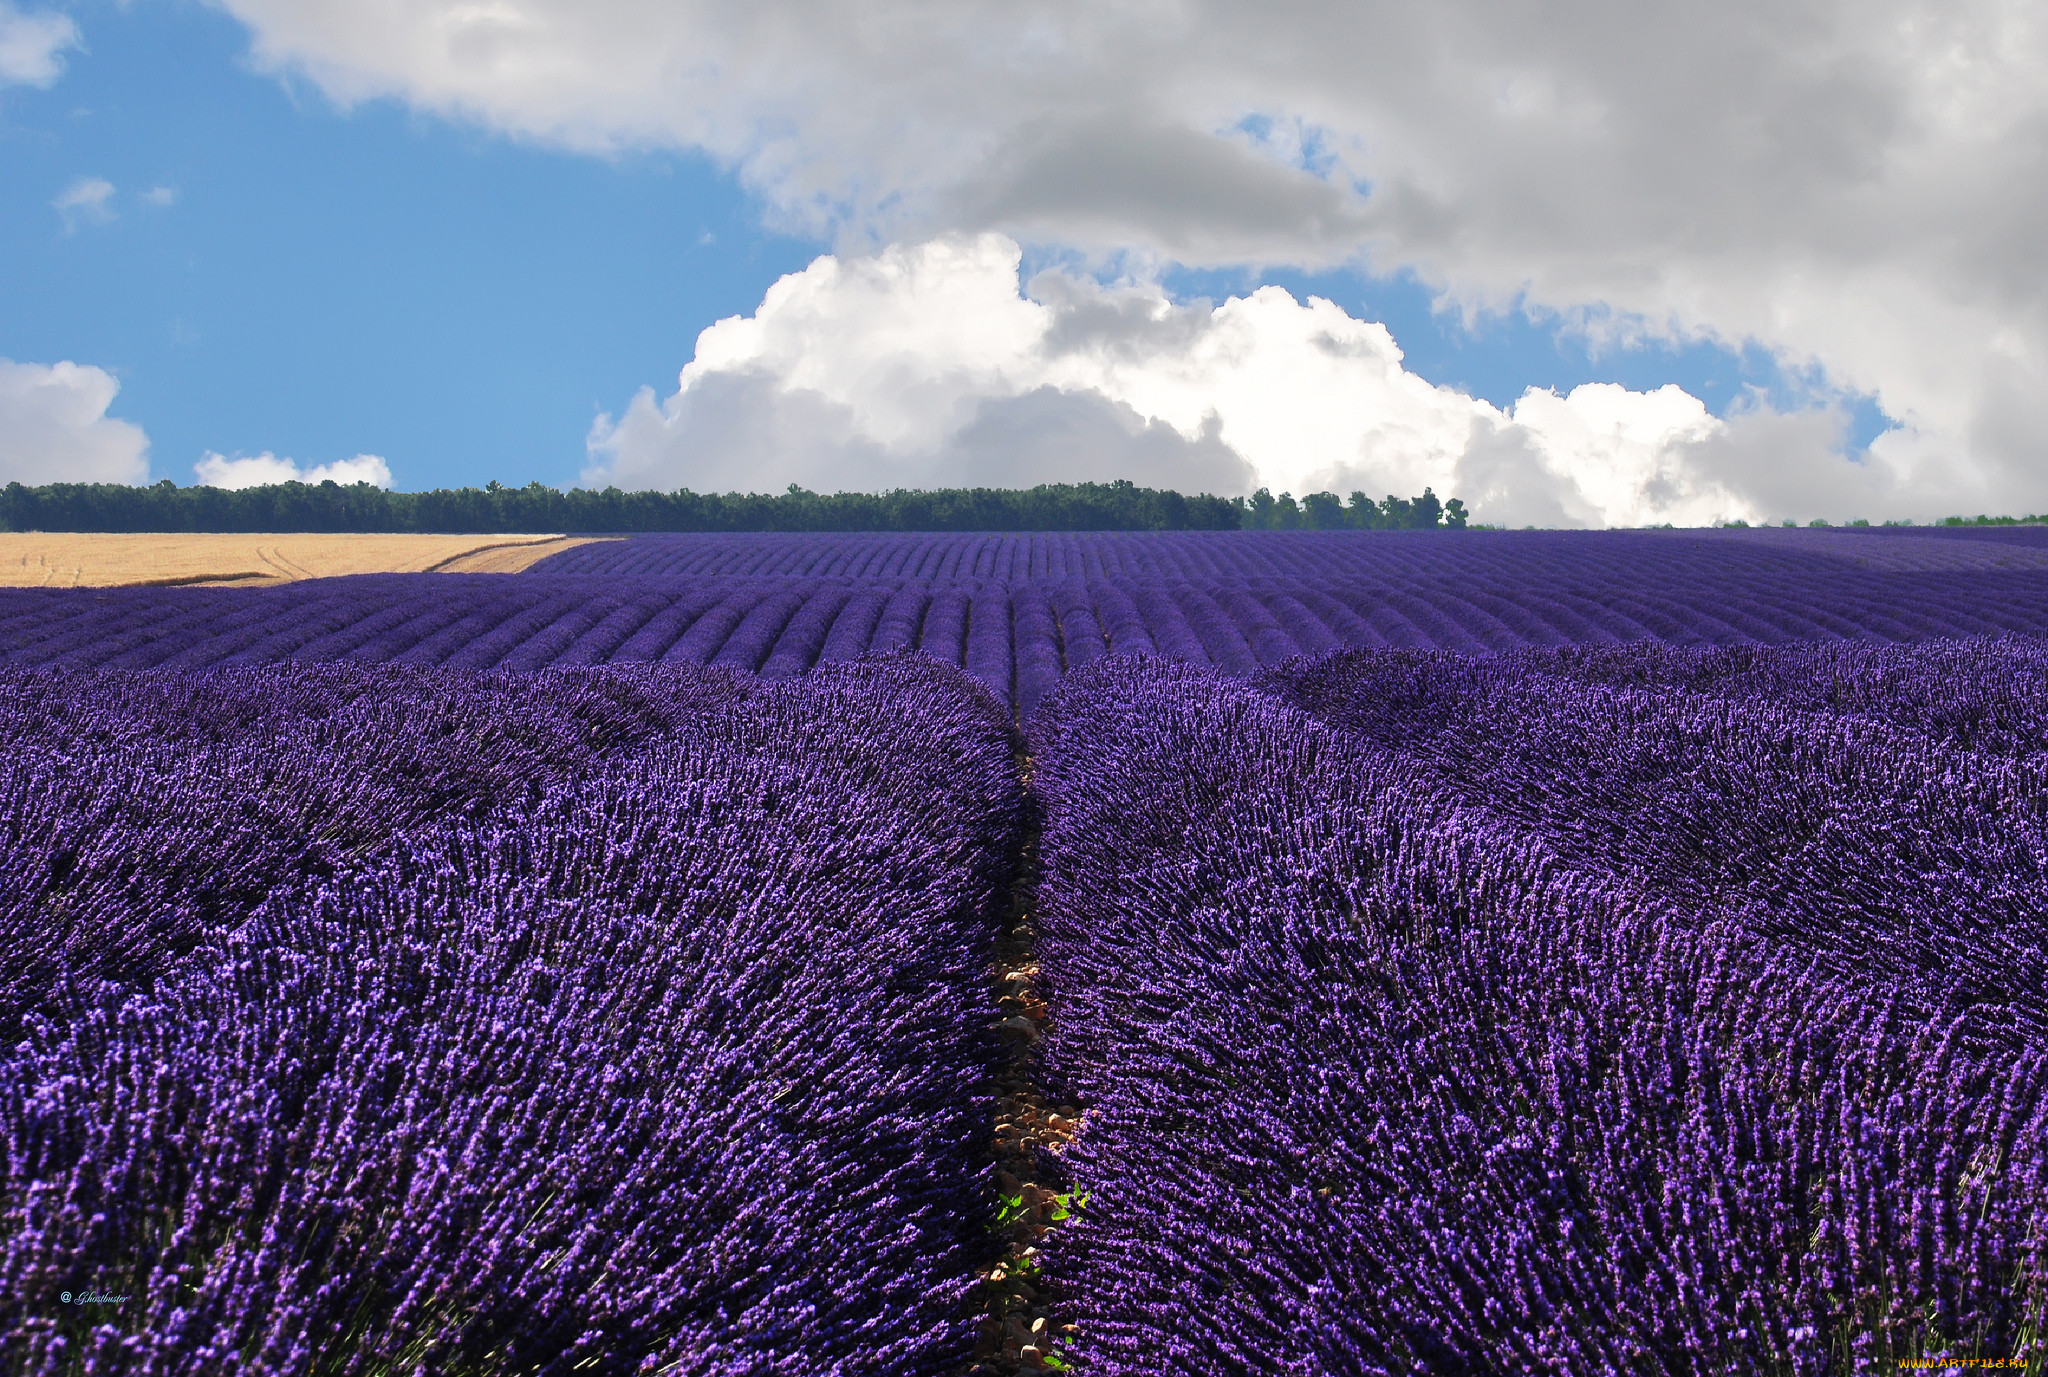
(373, 1020)
(1846, 832)
(1980, 695)
(1594, 1012)
(1018, 640)
(1549, 557)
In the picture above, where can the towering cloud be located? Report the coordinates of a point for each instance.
(927, 365)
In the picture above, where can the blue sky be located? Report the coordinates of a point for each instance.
(327, 282)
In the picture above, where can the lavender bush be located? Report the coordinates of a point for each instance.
(1385, 1082)
(1889, 856)
(659, 1053)
(1980, 695)
(140, 811)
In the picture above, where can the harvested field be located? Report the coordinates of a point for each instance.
(36, 559)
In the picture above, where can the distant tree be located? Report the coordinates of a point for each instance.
(1260, 512)
(1426, 512)
(1323, 511)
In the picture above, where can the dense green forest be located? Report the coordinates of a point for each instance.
(1118, 506)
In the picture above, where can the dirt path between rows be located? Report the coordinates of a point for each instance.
(1017, 1330)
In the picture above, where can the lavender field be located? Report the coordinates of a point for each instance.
(1218, 953)
(1018, 612)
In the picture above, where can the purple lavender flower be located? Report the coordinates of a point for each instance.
(591, 1021)
(1389, 1075)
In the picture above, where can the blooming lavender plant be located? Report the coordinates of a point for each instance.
(1082, 638)
(629, 1021)
(1889, 856)
(990, 656)
(1384, 1081)
(1980, 695)
(1038, 647)
(142, 810)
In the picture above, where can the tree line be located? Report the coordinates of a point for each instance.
(496, 509)
(1322, 511)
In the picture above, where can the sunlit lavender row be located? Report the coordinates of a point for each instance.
(376, 1020)
(1488, 1019)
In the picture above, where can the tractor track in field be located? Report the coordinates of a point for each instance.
(1017, 1328)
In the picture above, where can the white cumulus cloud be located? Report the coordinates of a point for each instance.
(930, 365)
(219, 471)
(1856, 184)
(54, 427)
(32, 46)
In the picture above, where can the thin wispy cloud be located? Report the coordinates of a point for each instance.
(160, 196)
(86, 201)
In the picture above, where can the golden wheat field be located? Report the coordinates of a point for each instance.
(36, 559)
